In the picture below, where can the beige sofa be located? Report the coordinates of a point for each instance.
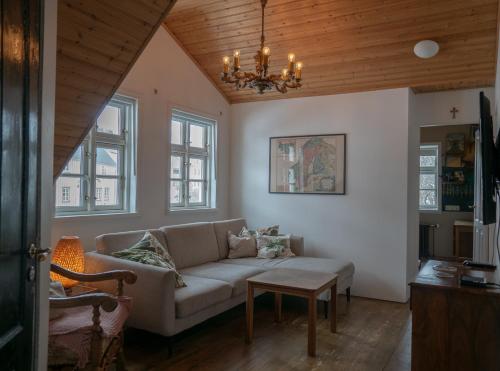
(214, 283)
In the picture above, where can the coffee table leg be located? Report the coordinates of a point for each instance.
(333, 308)
(277, 306)
(249, 314)
(311, 327)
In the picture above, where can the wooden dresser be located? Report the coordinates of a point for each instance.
(454, 327)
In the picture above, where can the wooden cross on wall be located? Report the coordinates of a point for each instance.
(454, 112)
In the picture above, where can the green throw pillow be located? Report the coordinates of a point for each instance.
(150, 251)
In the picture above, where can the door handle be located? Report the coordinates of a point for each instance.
(38, 253)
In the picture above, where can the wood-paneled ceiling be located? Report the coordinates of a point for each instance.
(98, 42)
(346, 45)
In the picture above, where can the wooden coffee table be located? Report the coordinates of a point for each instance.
(295, 282)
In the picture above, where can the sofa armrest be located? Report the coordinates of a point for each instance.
(153, 295)
(297, 245)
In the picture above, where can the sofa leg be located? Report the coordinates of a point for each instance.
(325, 307)
(348, 294)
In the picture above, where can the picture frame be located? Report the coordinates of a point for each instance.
(308, 164)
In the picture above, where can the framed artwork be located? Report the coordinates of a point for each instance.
(455, 143)
(308, 164)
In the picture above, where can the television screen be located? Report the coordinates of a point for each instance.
(488, 162)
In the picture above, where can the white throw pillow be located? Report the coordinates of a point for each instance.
(241, 246)
(273, 246)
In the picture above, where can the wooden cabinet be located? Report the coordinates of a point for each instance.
(463, 238)
(453, 327)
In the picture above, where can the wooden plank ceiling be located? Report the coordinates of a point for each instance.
(98, 42)
(345, 45)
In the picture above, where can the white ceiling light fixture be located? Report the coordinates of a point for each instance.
(426, 49)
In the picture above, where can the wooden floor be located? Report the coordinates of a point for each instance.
(371, 335)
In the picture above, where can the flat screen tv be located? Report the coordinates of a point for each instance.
(489, 163)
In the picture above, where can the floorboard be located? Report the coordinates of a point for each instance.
(371, 335)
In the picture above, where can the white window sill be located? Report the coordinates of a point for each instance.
(99, 216)
(193, 210)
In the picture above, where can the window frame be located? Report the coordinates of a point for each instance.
(187, 152)
(125, 142)
(435, 171)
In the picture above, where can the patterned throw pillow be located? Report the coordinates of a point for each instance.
(150, 251)
(241, 246)
(273, 246)
(269, 231)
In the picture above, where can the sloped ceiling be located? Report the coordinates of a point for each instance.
(346, 45)
(98, 42)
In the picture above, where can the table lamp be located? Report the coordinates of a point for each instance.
(69, 255)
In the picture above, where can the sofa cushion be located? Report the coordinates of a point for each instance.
(235, 275)
(221, 228)
(191, 244)
(264, 264)
(112, 242)
(200, 293)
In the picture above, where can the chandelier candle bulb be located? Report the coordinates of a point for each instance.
(298, 71)
(266, 52)
(284, 73)
(291, 62)
(225, 60)
(236, 59)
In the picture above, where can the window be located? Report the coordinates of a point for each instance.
(104, 161)
(192, 161)
(429, 177)
(66, 194)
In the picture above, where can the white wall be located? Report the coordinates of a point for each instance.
(367, 225)
(163, 67)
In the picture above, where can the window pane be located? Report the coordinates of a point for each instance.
(176, 163)
(107, 191)
(427, 181)
(176, 134)
(109, 121)
(196, 168)
(428, 199)
(107, 161)
(427, 161)
(197, 136)
(75, 165)
(175, 192)
(68, 190)
(196, 192)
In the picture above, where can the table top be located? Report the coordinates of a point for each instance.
(428, 276)
(295, 279)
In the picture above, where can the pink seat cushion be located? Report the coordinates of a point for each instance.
(73, 330)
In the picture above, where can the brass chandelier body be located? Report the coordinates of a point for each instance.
(260, 80)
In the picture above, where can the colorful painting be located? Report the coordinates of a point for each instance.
(307, 164)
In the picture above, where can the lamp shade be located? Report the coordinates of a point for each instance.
(69, 255)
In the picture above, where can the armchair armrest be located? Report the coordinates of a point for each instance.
(119, 275)
(106, 301)
(153, 294)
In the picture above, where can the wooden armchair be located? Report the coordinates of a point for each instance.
(105, 346)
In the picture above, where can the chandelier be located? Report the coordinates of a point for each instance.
(260, 80)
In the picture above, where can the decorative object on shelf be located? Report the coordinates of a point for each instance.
(307, 164)
(69, 255)
(455, 144)
(260, 80)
